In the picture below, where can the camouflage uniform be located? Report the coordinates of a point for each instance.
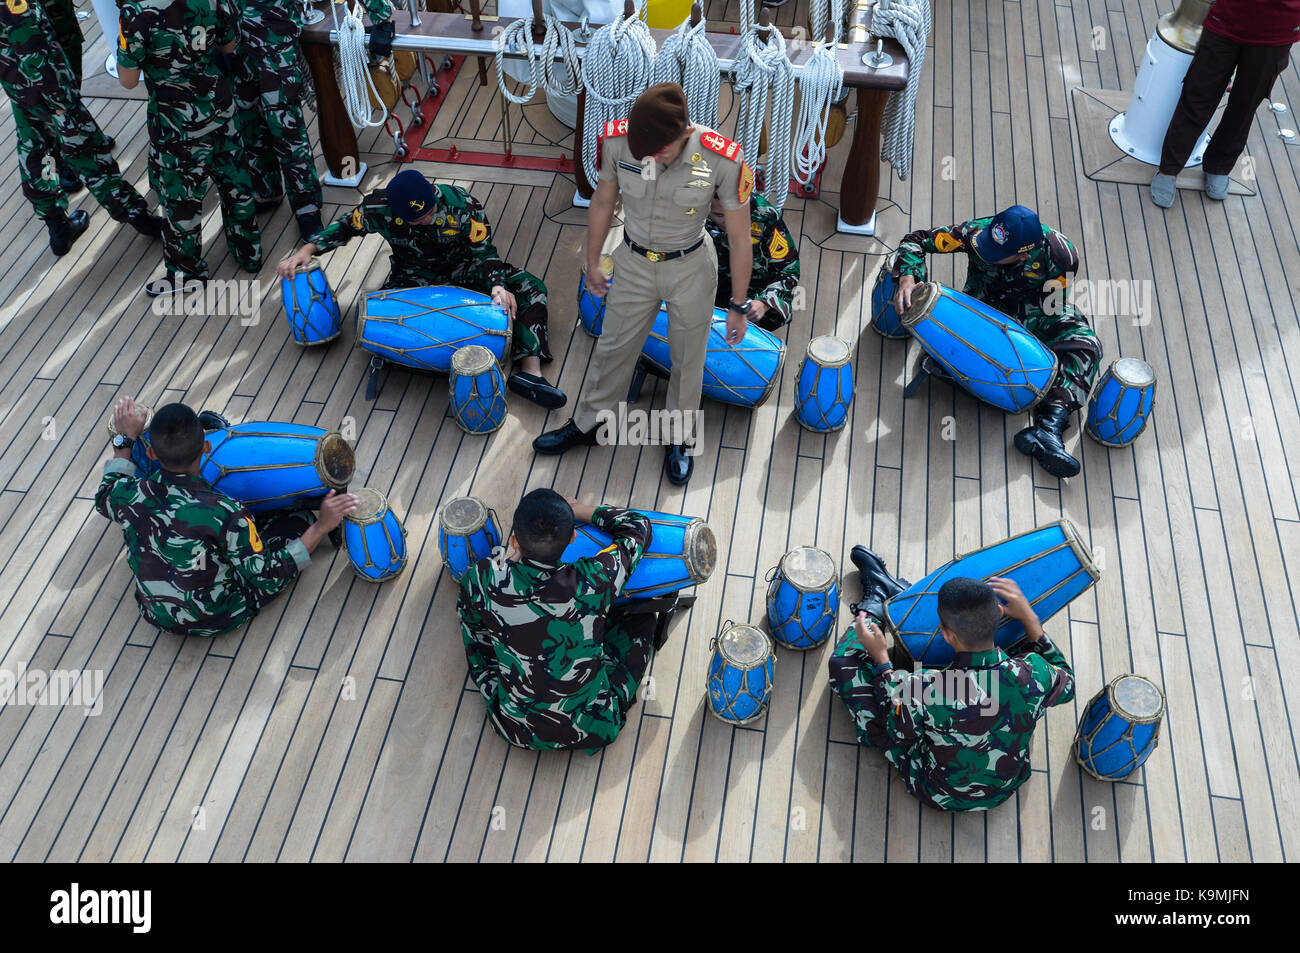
(776, 263)
(556, 665)
(1018, 290)
(454, 249)
(201, 567)
(51, 120)
(67, 32)
(959, 737)
(192, 134)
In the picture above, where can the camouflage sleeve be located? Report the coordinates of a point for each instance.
(935, 241)
(248, 559)
(358, 222)
(135, 24)
(775, 280)
(610, 568)
(477, 233)
(900, 699)
(1062, 262)
(116, 488)
(1051, 672)
(227, 23)
(475, 634)
(875, 694)
(379, 10)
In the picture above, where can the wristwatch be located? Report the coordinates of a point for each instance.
(123, 442)
(742, 308)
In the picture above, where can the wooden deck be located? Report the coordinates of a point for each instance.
(341, 725)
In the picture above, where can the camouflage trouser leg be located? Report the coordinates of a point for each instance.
(401, 275)
(38, 148)
(629, 643)
(254, 133)
(1078, 352)
(851, 680)
(281, 88)
(531, 327)
(277, 530)
(86, 153)
(67, 32)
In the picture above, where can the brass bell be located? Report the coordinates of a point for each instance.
(1182, 28)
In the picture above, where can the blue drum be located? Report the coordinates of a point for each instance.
(1120, 728)
(310, 306)
(271, 466)
(824, 390)
(740, 674)
(744, 375)
(986, 353)
(139, 456)
(591, 310)
(423, 327)
(884, 319)
(467, 532)
(803, 598)
(478, 390)
(682, 552)
(1050, 564)
(1120, 407)
(374, 538)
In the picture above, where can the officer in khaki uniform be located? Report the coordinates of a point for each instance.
(667, 172)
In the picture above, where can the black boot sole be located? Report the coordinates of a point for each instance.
(1031, 447)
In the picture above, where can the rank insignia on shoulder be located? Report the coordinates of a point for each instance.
(947, 242)
(615, 127)
(477, 232)
(778, 247)
(356, 218)
(746, 183)
(720, 144)
(253, 539)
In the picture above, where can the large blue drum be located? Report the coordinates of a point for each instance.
(824, 389)
(884, 319)
(803, 598)
(1120, 406)
(467, 532)
(744, 375)
(591, 310)
(986, 353)
(423, 327)
(310, 306)
(271, 466)
(139, 456)
(477, 389)
(682, 553)
(1050, 564)
(1120, 728)
(739, 684)
(374, 538)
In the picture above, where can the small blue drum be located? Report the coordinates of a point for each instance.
(803, 598)
(682, 552)
(271, 466)
(374, 538)
(423, 327)
(1120, 407)
(824, 389)
(1120, 728)
(143, 465)
(310, 307)
(467, 532)
(591, 310)
(740, 674)
(1050, 564)
(744, 375)
(986, 353)
(884, 319)
(478, 390)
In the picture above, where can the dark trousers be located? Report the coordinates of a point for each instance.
(1257, 67)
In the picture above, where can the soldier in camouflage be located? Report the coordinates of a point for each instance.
(776, 263)
(557, 665)
(51, 122)
(1020, 267)
(960, 738)
(440, 235)
(192, 134)
(201, 566)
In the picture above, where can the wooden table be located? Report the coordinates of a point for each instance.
(454, 33)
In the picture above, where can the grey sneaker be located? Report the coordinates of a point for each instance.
(1162, 190)
(1216, 187)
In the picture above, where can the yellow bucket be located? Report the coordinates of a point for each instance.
(666, 14)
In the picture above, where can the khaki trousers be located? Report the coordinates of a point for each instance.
(687, 285)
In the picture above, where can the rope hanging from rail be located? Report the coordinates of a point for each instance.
(907, 21)
(355, 81)
(688, 58)
(559, 76)
(765, 76)
(821, 80)
(617, 67)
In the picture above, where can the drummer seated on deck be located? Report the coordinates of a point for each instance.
(776, 263)
(959, 737)
(440, 235)
(201, 566)
(557, 664)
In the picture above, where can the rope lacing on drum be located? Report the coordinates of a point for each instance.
(617, 66)
(907, 21)
(688, 58)
(765, 75)
(558, 76)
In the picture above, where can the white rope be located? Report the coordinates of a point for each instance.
(542, 65)
(820, 81)
(354, 69)
(764, 74)
(689, 59)
(817, 11)
(617, 67)
(907, 21)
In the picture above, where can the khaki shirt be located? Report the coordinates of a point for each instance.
(666, 211)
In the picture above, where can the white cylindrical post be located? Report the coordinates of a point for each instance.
(110, 23)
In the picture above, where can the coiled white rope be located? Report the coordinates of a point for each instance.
(821, 80)
(617, 67)
(543, 70)
(689, 59)
(763, 74)
(817, 11)
(907, 21)
(354, 68)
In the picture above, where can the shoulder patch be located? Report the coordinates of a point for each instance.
(615, 127)
(356, 218)
(253, 539)
(746, 183)
(947, 242)
(720, 144)
(778, 247)
(121, 38)
(477, 232)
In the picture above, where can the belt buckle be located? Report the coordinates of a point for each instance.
(654, 256)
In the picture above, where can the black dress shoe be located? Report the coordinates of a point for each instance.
(536, 389)
(1045, 441)
(65, 229)
(678, 464)
(211, 420)
(873, 604)
(874, 574)
(70, 182)
(564, 438)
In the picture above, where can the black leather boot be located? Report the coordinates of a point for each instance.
(146, 224)
(1044, 440)
(874, 574)
(536, 389)
(679, 465)
(564, 438)
(65, 229)
(70, 182)
(211, 420)
(309, 223)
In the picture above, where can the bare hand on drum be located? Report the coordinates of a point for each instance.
(504, 300)
(871, 638)
(903, 297)
(296, 262)
(756, 310)
(597, 283)
(129, 419)
(736, 324)
(582, 512)
(1016, 606)
(333, 508)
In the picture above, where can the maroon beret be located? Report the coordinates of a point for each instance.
(658, 118)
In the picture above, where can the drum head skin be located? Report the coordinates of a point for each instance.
(808, 569)
(1133, 372)
(1137, 699)
(471, 360)
(924, 297)
(335, 460)
(371, 506)
(700, 551)
(463, 516)
(148, 419)
(829, 351)
(744, 645)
